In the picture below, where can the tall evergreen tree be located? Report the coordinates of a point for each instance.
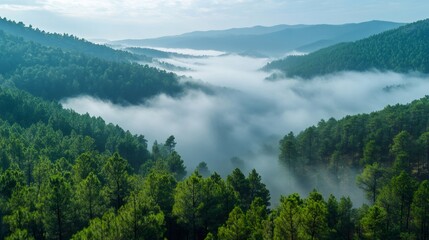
(116, 171)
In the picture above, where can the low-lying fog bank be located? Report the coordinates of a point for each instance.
(247, 115)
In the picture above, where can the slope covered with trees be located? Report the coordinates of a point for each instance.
(65, 42)
(400, 50)
(69, 176)
(54, 74)
(391, 150)
(378, 137)
(65, 175)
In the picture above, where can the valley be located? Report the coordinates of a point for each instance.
(287, 131)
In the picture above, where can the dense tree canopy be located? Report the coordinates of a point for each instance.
(65, 175)
(65, 41)
(69, 176)
(55, 74)
(399, 50)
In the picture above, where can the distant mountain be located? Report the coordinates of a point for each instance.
(65, 41)
(154, 53)
(272, 41)
(401, 50)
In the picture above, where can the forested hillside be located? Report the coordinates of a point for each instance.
(54, 74)
(392, 148)
(401, 50)
(64, 175)
(69, 176)
(364, 139)
(52, 132)
(65, 42)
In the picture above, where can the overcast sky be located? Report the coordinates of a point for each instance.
(119, 19)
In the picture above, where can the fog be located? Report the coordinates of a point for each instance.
(246, 115)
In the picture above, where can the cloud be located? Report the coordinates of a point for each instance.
(247, 115)
(119, 19)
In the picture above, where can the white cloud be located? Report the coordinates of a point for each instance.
(19, 7)
(119, 19)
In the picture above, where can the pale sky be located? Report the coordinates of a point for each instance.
(119, 19)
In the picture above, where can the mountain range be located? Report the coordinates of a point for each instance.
(270, 41)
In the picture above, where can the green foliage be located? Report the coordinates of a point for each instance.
(175, 165)
(236, 227)
(238, 182)
(141, 218)
(57, 209)
(64, 41)
(188, 200)
(420, 210)
(65, 175)
(118, 186)
(88, 200)
(46, 129)
(392, 136)
(403, 187)
(289, 151)
(258, 189)
(370, 180)
(160, 186)
(288, 221)
(402, 149)
(248, 188)
(53, 74)
(345, 226)
(400, 50)
(255, 216)
(373, 223)
(314, 217)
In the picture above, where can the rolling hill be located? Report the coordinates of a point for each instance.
(400, 50)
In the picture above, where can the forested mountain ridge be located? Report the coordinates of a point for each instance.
(400, 50)
(65, 42)
(270, 41)
(54, 74)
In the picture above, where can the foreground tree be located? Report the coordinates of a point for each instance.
(57, 208)
(236, 227)
(188, 200)
(255, 217)
(239, 183)
(288, 221)
(141, 218)
(116, 172)
(314, 221)
(420, 210)
(257, 188)
(373, 223)
(89, 202)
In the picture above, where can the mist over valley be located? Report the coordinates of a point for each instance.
(271, 120)
(246, 115)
